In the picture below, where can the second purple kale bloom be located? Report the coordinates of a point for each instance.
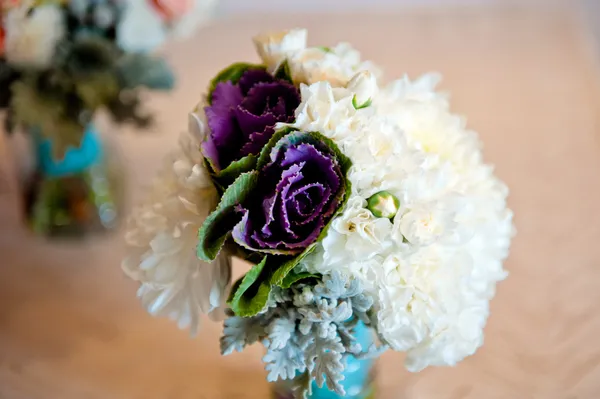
(298, 192)
(242, 115)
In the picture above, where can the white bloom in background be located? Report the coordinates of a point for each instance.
(162, 237)
(141, 28)
(32, 34)
(147, 24)
(186, 21)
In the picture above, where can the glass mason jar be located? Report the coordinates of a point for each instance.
(359, 381)
(76, 195)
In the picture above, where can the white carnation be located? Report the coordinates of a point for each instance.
(355, 235)
(32, 34)
(433, 269)
(162, 237)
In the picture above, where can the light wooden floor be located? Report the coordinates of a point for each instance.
(71, 327)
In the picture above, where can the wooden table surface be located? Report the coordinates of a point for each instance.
(71, 327)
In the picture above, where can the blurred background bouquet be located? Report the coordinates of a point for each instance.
(60, 63)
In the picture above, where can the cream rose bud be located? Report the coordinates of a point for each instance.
(364, 87)
(273, 48)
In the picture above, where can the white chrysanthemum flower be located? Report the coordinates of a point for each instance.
(162, 237)
(32, 34)
(335, 65)
(433, 268)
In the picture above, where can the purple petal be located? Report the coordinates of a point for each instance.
(257, 141)
(284, 244)
(211, 152)
(320, 167)
(268, 206)
(264, 96)
(279, 108)
(241, 231)
(250, 123)
(283, 213)
(251, 77)
(288, 177)
(314, 206)
(226, 96)
(224, 134)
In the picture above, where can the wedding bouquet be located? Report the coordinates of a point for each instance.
(62, 60)
(356, 203)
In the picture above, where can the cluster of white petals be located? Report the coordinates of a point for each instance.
(432, 269)
(32, 34)
(162, 234)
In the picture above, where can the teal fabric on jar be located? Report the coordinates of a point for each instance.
(357, 373)
(76, 160)
(358, 381)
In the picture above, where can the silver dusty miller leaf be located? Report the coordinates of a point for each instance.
(324, 361)
(307, 331)
(279, 332)
(239, 332)
(362, 303)
(349, 340)
(285, 362)
(333, 287)
(327, 312)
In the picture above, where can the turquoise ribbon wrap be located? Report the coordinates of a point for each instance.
(76, 160)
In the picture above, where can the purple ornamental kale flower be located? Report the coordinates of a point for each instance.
(242, 115)
(298, 193)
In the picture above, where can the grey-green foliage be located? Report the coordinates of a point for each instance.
(141, 70)
(307, 331)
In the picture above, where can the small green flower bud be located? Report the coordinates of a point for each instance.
(383, 205)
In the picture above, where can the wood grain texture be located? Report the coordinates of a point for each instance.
(71, 327)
